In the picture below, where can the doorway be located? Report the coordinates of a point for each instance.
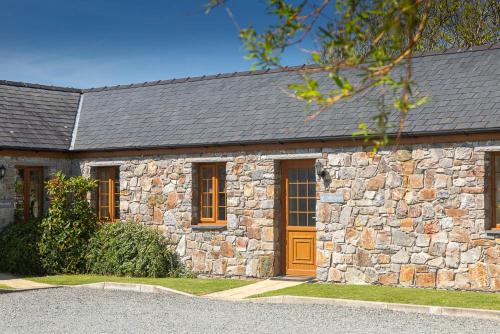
(299, 218)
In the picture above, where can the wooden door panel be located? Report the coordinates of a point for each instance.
(299, 218)
(302, 250)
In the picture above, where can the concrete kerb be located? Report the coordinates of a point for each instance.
(286, 299)
(406, 308)
(144, 288)
(15, 290)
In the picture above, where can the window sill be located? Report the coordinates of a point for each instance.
(208, 227)
(494, 232)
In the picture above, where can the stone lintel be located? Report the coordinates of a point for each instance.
(209, 159)
(106, 163)
(297, 156)
(487, 149)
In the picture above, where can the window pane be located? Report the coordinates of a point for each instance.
(302, 175)
(117, 194)
(108, 193)
(221, 178)
(207, 212)
(311, 205)
(221, 214)
(222, 199)
(292, 175)
(302, 219)
(221, 211)
(35, 193)
(207, 191)
(497, 164)
(19, 208)
(221, 192)
(104, 199)
(302, 205)
(311, 175)
(301, 197)
(311, 190)
(206, 172)
(302, 190)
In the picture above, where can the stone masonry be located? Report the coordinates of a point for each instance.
(158, 191)
(7, 184)
(412, 216)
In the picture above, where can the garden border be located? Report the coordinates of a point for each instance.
(136, 287)
(288, 299)
(406, 308)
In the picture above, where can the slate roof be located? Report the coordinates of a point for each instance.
(36, 116)
(463, 88)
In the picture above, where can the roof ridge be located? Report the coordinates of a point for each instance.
(296, 68)
(39, 86)
(203, 78)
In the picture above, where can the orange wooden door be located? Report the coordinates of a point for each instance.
(108, 193)
(29, 193)
(299, 218)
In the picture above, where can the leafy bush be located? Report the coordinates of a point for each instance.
(18, 248)
(131, 249)
(68, 225)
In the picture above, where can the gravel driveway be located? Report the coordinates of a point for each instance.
(67, 310)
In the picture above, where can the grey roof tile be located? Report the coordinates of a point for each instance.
(36, 116)
(254, 107)
(463, 90)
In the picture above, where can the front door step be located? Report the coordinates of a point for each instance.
(252, 289)
(294, 278)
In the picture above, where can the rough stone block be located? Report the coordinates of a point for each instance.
(425, 280)
(445, 279)
(406, 274)
(388, 279)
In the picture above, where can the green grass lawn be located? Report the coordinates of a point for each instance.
(466, 299)
(194, 286)
(5, 287)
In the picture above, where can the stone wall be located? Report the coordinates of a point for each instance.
(412, 217)
(7, 184)
(158, 191)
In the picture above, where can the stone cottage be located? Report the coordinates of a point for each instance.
(231, 170)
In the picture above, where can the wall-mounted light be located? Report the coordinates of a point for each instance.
(2, 172)
(320, 171)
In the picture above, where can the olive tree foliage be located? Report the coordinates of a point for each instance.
(376, 39)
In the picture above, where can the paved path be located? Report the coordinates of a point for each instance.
(252, 289)
(19, 283)
(68, 310)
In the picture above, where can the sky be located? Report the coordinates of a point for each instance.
(93, 43)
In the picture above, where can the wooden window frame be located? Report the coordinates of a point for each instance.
(215, 195)
(26, 190)
(493, 192)
(111, 193)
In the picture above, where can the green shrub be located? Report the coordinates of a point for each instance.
(18, 248)
(68, 226)
(131, 249)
